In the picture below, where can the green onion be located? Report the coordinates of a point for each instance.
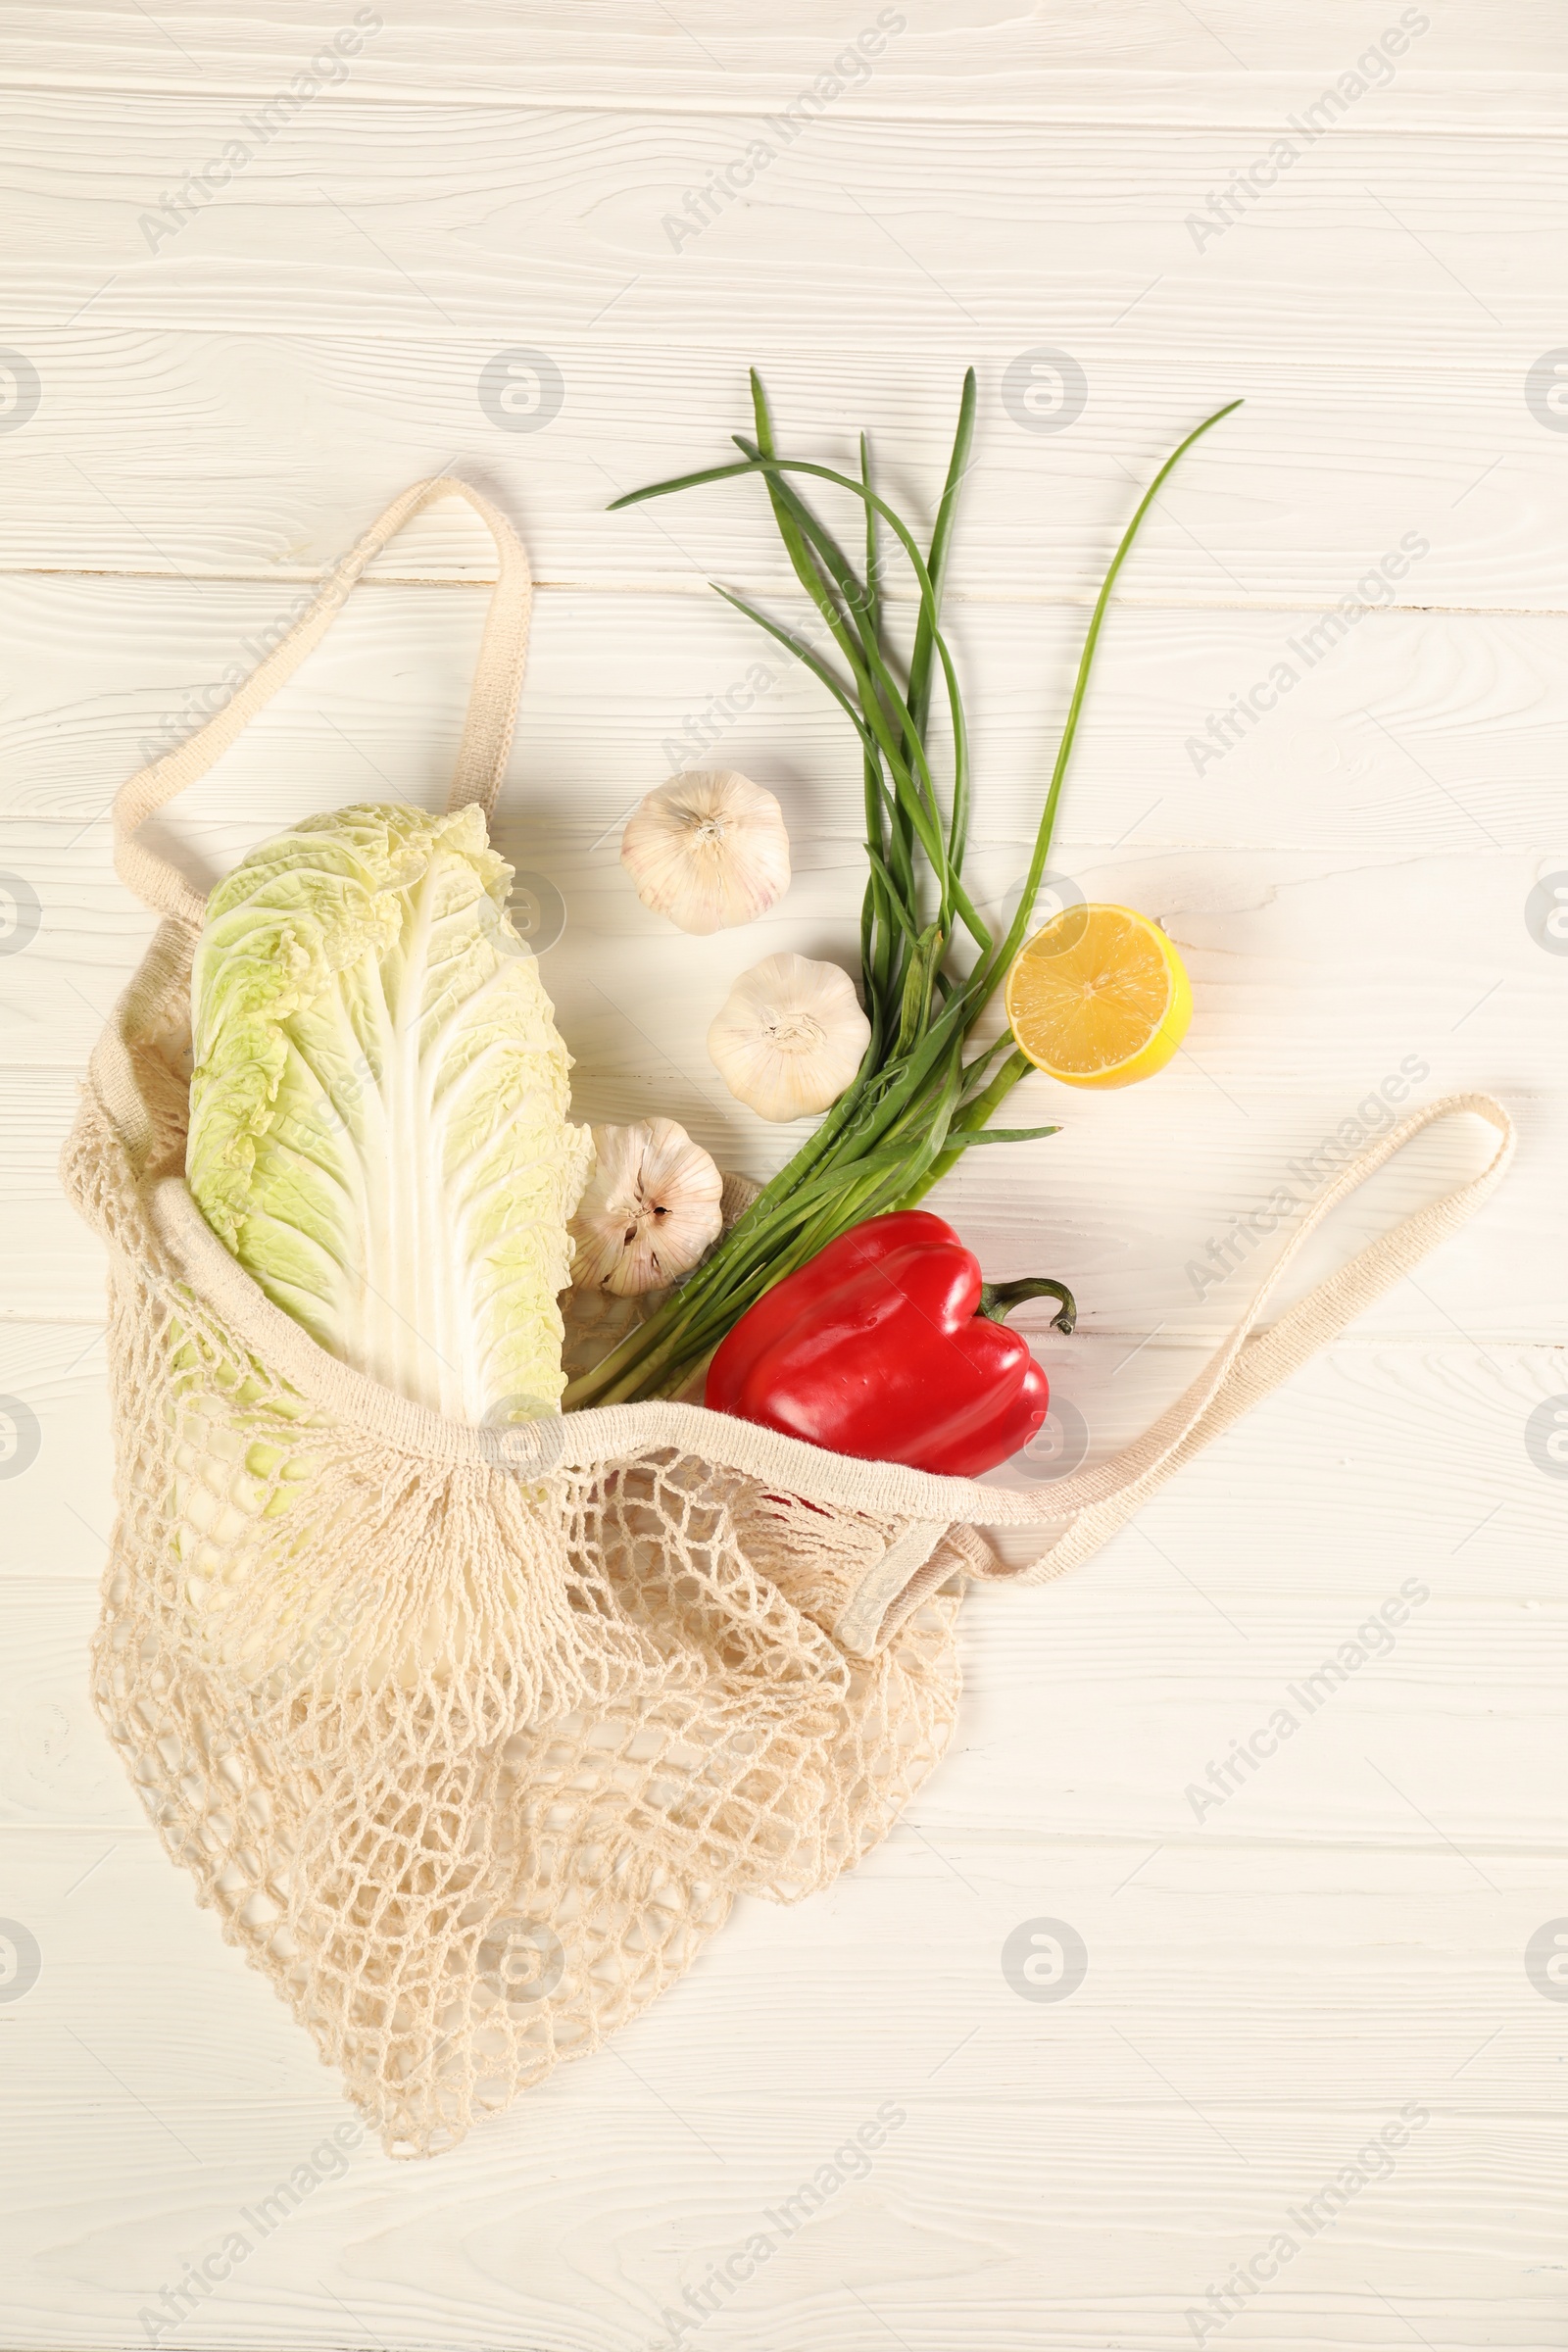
(917, 1103)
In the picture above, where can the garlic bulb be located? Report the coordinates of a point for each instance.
(790, 1038)
(709, 850)
(651, 1208)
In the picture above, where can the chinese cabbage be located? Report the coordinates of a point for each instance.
(378, 1129)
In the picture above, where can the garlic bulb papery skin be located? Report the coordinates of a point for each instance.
(790, 1038)
(651, 1210)
(709, 850)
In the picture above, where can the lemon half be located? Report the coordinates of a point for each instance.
(1100, 997)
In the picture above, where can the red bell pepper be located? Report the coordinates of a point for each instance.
(889, 1346)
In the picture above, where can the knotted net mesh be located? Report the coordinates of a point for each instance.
(468, 1763)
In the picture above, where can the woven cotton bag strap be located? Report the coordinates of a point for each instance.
(1253, 1362)
(1097, 1501)
(486, 731)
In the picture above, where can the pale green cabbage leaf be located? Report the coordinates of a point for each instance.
(378, 1124)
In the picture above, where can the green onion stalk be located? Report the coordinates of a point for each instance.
(922, 1096)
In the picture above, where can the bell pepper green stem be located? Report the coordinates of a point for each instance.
(998, 1298)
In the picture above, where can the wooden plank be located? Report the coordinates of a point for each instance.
(1339, 454)
(1213, 1950)
(1417, 733)
(1074, 1728)
(495, 224)
(1154, 61)
(1101, 2162)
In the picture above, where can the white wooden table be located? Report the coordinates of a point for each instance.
(208, 397)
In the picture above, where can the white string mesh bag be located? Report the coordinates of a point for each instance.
(471, 1736)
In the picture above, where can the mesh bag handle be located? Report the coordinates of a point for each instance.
(1252, 1362)
(1242, 1370)
(486, 730)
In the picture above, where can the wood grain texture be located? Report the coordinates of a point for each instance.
(1281, 1953)
(241, 448)
(1159, 61)
(1076, 1729)
(1420, 733)
(1328, 468)
(1109, 2156)
(595, 188)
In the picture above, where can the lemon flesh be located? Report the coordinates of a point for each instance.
(1098, 997)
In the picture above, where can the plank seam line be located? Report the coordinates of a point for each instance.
(697, 588)
(1526, 89)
